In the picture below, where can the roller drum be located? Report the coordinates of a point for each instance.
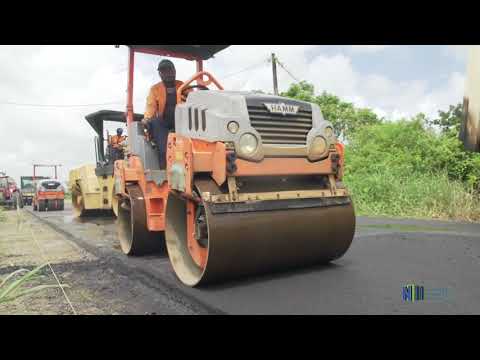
(135, 238)
(248, 243)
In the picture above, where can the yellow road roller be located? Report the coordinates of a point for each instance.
(91, 185)
(253, 182)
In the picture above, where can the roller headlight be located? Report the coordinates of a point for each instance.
(329, 132)
(319, 146)
(233, 127)
(248, 144)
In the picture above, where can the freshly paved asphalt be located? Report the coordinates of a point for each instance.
(386, 255)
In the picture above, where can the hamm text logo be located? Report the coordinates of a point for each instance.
(413, 293)
(282, 108)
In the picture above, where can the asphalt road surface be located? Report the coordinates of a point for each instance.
(385, 256)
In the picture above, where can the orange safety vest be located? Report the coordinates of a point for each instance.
(116, 140)
(157, 99)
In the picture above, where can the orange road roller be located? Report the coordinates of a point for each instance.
(49, 193)
(253, 183)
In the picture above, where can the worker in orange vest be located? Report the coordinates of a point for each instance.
(116, 145)
(159, 117)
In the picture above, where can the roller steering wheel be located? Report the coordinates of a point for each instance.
(185, 91)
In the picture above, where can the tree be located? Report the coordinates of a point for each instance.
(345, 117)
(449, 121)
(301, 91)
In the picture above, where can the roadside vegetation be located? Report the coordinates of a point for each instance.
(19, 284)
(413, 167)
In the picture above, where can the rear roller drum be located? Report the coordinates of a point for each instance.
(207, 246)
(135, 238)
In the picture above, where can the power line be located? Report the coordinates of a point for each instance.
(288, 72)
(58, 105)
(244, 70)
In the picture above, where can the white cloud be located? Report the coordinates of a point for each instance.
(389, 98)
(450, 94)
(333, 74)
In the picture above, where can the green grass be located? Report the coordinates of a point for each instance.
(2, 215)
(13, 285)
(389, 193)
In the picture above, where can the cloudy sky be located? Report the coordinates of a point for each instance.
(45, 91)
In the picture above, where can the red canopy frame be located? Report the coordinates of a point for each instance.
(152, 51)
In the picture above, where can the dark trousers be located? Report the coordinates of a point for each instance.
(117, 154)
(159, 131)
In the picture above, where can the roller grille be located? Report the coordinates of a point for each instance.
(281, 129)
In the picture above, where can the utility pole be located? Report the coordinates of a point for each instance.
(274, 70)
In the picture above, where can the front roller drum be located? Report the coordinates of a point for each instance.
(135, 238)
(248, 243)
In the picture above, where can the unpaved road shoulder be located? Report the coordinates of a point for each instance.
(97, 285)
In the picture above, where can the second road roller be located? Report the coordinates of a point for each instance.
(92, 185)
(253, 182)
